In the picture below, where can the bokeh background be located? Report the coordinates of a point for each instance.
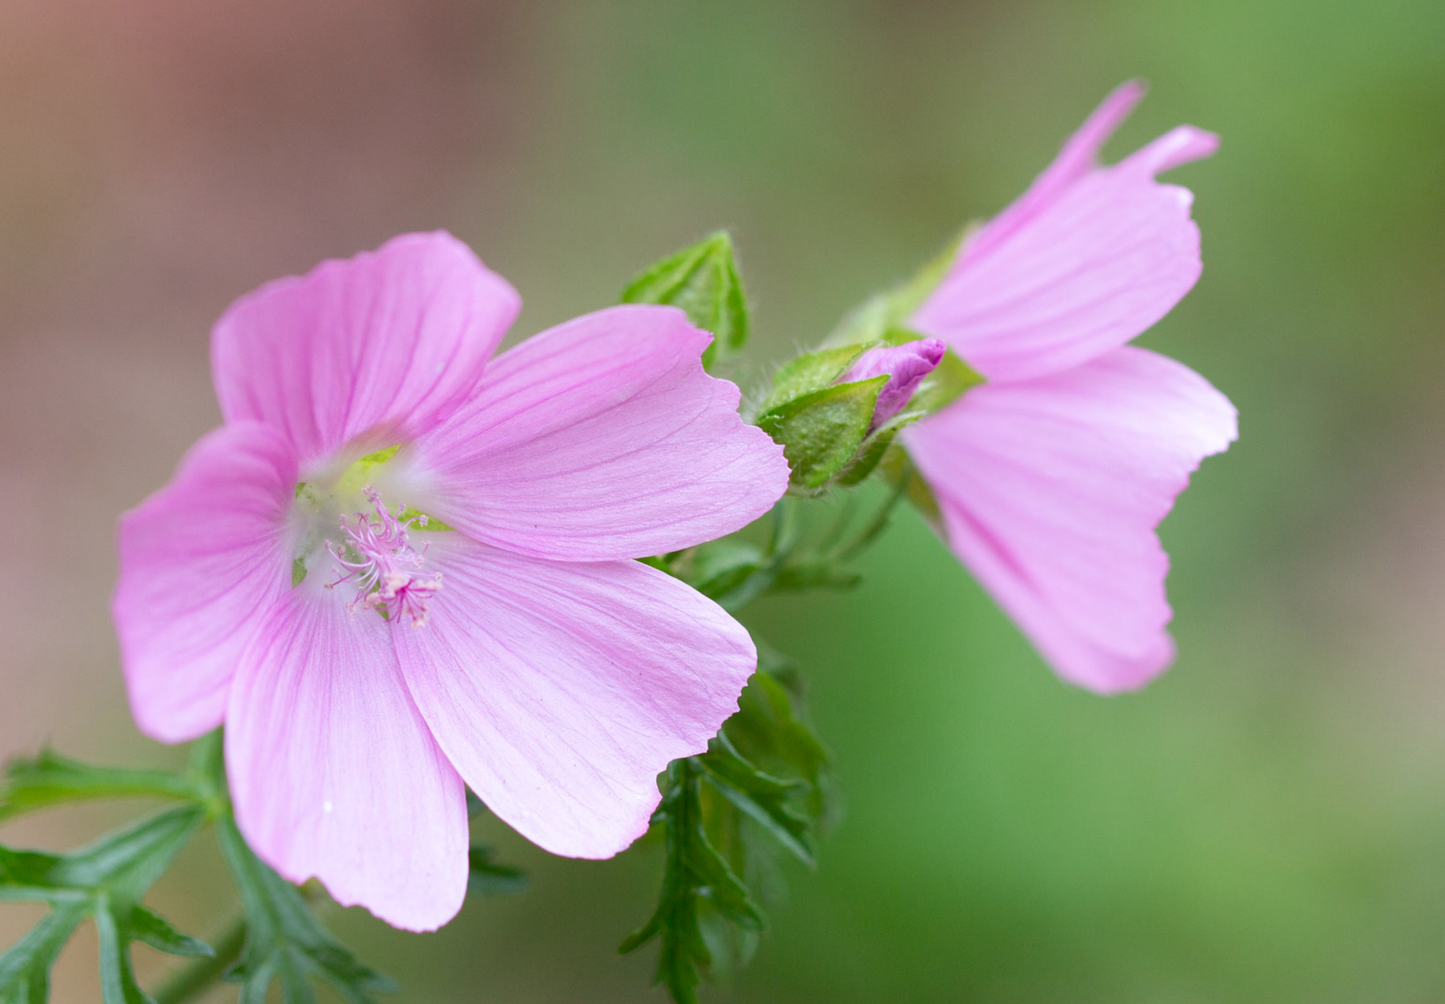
(1265, 823)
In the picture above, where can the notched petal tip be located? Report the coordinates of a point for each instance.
(1180, 145)
(1105, 120)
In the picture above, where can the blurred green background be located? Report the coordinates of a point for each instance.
(1265, 823)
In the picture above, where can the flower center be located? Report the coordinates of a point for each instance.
(376, 556)
(370, 550)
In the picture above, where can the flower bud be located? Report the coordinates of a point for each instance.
(905, 365)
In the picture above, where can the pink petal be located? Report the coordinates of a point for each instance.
(1079, 157)
(1051, 490)
(601, 439)
(1084, 262)
(333, 772)
(198, 560)
(561, 690)
(905, 365)
(383, 346)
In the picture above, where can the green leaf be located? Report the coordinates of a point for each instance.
(821, 431)
(104, 881)
(761, 797)
(769, 730)
(486, 877)
(51, 779)
(150, 927)
(703, 280)
(284, 941)
(695, 877)
(25, 967)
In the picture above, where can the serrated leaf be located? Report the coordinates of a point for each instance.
(284, 941)
(703, 280)
(761, 797)
(50, 779)
(486, 877)
(25, 966)
(821, 431)
(105, 881)
(150, 927)
(695, 875)
(769, 730)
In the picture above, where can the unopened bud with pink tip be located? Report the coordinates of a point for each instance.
(906, 366)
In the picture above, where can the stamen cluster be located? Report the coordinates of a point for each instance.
(378, 557)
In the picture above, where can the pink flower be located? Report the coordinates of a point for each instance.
(365, 662)
(1052, 476)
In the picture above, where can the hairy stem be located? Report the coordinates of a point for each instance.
(195, 978)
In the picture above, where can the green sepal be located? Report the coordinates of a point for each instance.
(871, 451)
(703, 280)
(50, 779)
(892, 308)
(809, 372)
(486, 877)
(821, 431)
(105, 882)
(284, 941)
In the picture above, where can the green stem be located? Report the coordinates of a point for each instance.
(878, 522)
(196, 977)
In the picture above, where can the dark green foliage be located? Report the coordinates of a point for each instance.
(280, 939)
(703, 280)
(722, 818)
(284, 942)
(51, 779)
(105, 882)
(486, 877)
(695, 877)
